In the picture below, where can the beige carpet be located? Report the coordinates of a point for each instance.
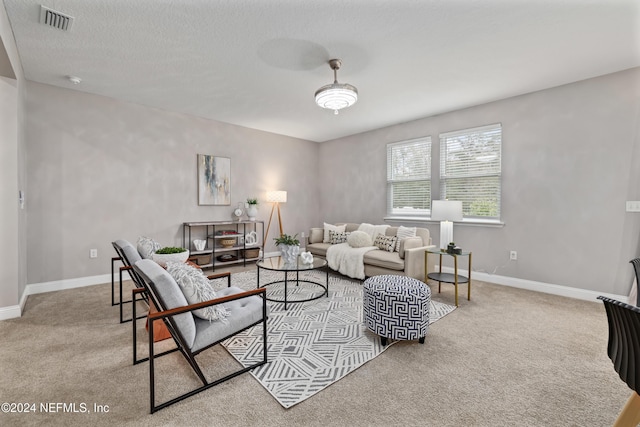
(507, 358)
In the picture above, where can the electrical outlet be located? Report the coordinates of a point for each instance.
(93, 253)
(633, 206)
(513, 256)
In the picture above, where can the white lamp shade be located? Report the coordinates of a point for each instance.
(277, 196)
(446, 210)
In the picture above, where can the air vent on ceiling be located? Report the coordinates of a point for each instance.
(55, 19)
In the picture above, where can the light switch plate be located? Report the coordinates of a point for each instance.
(633, 206)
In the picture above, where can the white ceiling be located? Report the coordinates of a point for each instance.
(257, 63)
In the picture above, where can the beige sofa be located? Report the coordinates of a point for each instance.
(409, 261)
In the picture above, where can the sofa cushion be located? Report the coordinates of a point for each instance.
(351, 227)
(424, 234)
(384, 259)
(319, 249)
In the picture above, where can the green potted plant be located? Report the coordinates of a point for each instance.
(289, 247)
(170, 254)
(252, 208)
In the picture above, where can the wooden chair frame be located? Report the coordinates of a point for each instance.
(167, 317)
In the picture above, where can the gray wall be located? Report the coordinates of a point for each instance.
(13, 259)
(100, 169)
(570, 161)
(9, 211)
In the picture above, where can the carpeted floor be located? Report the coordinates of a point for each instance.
(508, 357)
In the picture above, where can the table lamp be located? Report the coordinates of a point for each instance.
(446, 211)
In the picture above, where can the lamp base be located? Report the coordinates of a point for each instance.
(446, 234)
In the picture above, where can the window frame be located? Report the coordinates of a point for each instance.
(391, 180)
(472, 172)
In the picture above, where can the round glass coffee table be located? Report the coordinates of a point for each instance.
(284, 286)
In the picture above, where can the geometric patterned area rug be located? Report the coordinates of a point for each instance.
(312, 344)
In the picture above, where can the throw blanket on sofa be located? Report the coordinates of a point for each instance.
(347, 260)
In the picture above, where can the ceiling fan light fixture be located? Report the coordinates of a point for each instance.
(336, 96)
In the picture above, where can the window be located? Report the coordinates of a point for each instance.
(470, 170)
(409, 177)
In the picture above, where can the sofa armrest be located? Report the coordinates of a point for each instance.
(316, 235)
(409, 243)
(414, 262)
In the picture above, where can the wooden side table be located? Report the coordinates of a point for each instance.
(454, 278)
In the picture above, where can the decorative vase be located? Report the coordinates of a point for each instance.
(199, 244)
(163, 259)
(290, 253)
(252, 211)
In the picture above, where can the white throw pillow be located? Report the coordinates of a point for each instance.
(359, 239)
(147, 247)
(373, 230)
(196, 288)
(403, 233)
(334, 228)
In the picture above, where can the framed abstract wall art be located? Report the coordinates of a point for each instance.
(214, 180)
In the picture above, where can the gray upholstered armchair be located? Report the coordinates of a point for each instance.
(192, 334)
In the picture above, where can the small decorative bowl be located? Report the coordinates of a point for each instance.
(227, 243)
(163, 259)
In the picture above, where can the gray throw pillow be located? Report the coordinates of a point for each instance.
(147, 247)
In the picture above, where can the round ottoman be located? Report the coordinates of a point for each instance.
(396, 307)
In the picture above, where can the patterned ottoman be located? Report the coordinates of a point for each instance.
(396, 307)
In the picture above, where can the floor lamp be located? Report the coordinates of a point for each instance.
(446, 211)
(275, 197)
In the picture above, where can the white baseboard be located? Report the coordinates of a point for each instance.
(547, 288)
(14, 311)
(10, 312)
(59, 285)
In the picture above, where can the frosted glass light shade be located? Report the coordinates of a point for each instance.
(336, 96)
(277, 196)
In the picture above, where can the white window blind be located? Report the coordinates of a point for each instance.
(470, 170)
(409, 177)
